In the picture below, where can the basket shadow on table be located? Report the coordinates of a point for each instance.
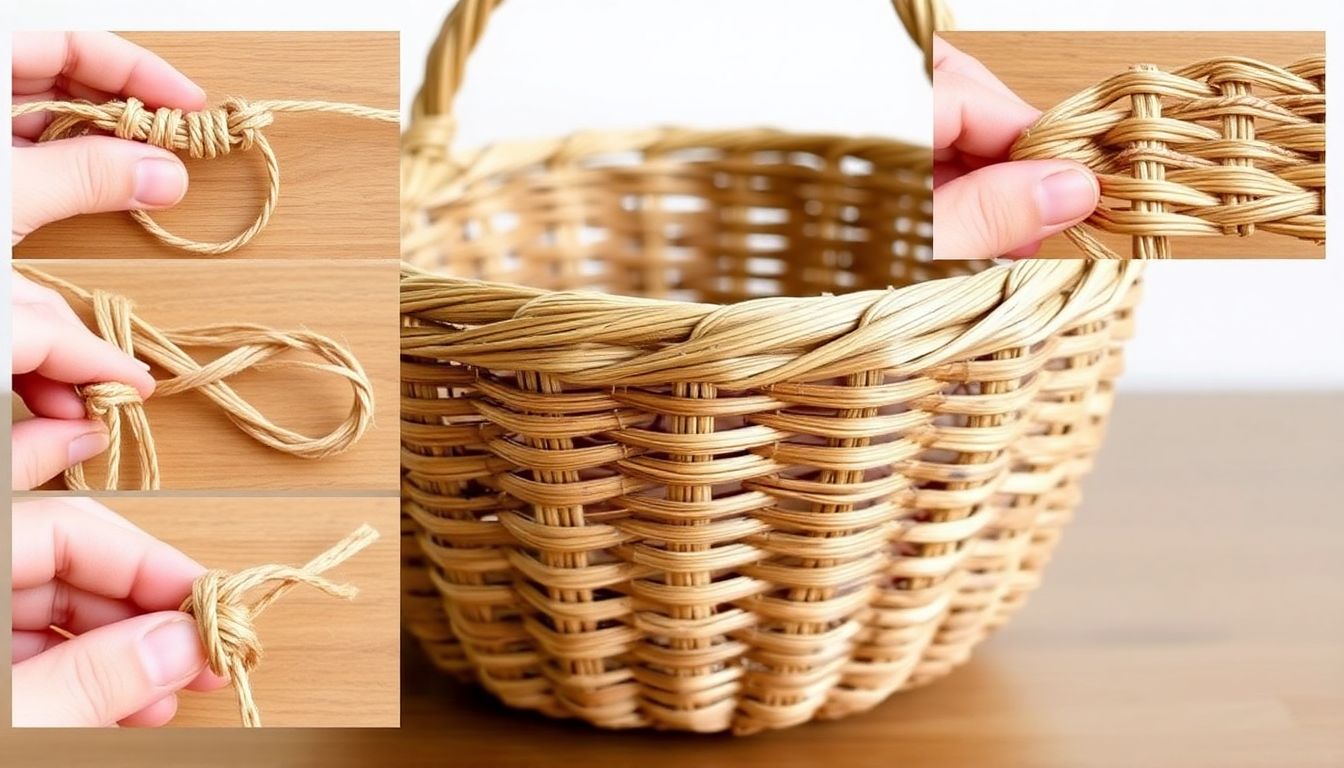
(442, 716)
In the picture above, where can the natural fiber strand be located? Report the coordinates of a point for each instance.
(208, 133)
(248, 347)
(1225, 146)
(224, 615)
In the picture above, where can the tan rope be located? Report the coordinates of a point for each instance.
(224, 618)
(208, 133)
(249, 346)
(922, 18)
(1220, 147)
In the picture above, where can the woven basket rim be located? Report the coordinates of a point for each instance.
(1017, 305)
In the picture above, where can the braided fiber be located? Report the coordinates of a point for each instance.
(249, 346)
(209, 133)
(224, 617)
(696, 434)
(1221, 147)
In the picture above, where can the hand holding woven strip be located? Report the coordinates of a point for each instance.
(218, 601)
(1219, 147)
(209, 133)
(249, 346)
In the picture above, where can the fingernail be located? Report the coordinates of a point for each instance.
(86, 446)
(1066, 196)
(159, 182)
(170, 652)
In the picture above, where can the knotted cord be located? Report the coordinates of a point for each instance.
(224, 618)
(209, 133)
(249, 346)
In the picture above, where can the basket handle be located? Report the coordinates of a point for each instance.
(446, 66)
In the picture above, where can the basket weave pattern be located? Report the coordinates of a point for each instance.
(643, 486)
(1221, 147)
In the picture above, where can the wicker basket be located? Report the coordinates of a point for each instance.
(739, 455)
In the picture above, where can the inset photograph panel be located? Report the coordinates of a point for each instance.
(266, 375)
(291, 152)
(1149, 145)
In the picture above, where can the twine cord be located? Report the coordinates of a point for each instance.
(209, 133)
(1221, 147)
(120, 407)
(224, 617)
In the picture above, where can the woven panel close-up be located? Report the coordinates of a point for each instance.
(1224, 146)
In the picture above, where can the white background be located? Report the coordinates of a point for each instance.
(553, 66)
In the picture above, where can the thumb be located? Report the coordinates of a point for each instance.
(90, 174)
(1000, 208)
(108, 673)
(43, 448)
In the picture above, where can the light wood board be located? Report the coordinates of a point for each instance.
(352, 302)
(339, 177)
(1045, 68)
(1191, 617)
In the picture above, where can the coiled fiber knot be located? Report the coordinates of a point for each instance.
(208, 133)
(218, 602)
(101, 399)
(225, 623)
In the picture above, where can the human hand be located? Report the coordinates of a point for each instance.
(53, 351)
(81, 567)
(89, 174)
(983, 206)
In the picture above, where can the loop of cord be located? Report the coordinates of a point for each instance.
(209, 133)
(218, 602)
(249, 346)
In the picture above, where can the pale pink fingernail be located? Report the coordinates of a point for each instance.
(170, 652)
(1066, 196)
(86, 446)
(159, 182)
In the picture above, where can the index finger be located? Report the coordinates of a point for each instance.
(97, 551)
(949, 58)
(976, 119)
(48, 344)
(104, 62)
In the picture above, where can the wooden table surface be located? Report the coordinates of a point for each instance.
(1193, 616)
(1045, 68)
(352, 302)
(339, 177)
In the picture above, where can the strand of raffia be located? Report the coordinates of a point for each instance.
(1220, 147)
(208, 133)
(249, 347)
(224, 617)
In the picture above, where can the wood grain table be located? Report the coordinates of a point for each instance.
(352, 302)
(339, 177)
(1193, 616)
(1045, 68)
